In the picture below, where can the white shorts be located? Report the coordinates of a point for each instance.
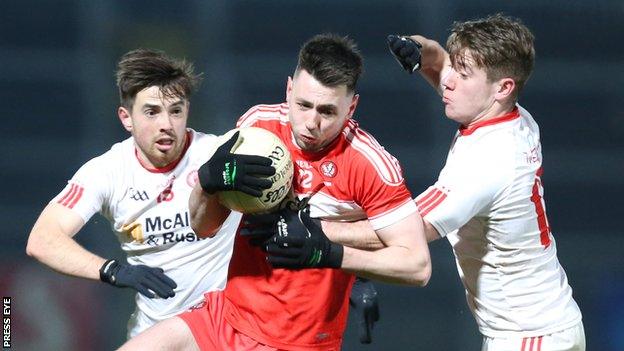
(138, 322)
(571, 339)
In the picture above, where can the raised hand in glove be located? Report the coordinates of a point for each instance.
(146, 280)
(299, 242)
(406, 51)
(228, 171)
(364, 305)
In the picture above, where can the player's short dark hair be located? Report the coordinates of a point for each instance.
(143, 68)
(501, 45)
(332, 60)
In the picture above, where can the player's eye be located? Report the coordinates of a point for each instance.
(303, 106)
(327, 112)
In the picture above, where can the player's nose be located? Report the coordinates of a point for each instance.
(165, 122)
(313, 120)
(448, 81)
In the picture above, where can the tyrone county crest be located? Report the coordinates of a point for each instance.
(328, 169)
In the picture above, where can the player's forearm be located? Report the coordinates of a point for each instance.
(394, 264)
(207, 214)
(359, 235)
(50, 246)
(434, 60)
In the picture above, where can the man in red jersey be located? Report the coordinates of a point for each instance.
(345, 175)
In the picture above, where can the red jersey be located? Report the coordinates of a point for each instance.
(353, 178)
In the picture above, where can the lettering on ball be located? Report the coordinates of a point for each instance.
(277, 154)
(274, 195)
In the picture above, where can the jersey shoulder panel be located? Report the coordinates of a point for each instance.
(369, 154)
(259, 113)
(92, 186)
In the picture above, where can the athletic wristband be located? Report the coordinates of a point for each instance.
(334, 258)
(106, 271)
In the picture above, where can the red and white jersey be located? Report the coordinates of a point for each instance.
(488, 202)
(354, 178)
(148, 210)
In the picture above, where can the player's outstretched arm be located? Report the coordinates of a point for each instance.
(433, 61)
(51, 243)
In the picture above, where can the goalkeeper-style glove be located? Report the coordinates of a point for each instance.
(364, 304)
(144, 279)
(299, 242)
(406, 51)
(227, 171)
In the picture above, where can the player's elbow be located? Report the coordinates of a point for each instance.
(35, 247)
(421, 272)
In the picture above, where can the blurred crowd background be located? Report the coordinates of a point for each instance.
(59, 102)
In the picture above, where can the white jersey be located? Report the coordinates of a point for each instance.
(488, 202)
(148, 210)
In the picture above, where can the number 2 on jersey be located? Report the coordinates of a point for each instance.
(305, 178)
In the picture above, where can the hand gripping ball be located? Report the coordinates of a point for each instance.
(258, 141)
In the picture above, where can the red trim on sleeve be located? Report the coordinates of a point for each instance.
(76, 197)
(430, 201)
(73, 195)
(69, 192)
(515, 113)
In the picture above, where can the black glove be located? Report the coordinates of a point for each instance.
(227, 171)
(364, 304)
(259, 228)
(140, 277)
(299, 242)
(406, 51)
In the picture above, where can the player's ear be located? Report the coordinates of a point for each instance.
(289, 84)
(354, 101)
(505, 88)
(125, 118)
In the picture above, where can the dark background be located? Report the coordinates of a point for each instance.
(57, 60)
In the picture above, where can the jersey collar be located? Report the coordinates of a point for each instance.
(515, 113)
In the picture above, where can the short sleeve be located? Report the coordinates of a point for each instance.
(87, 191)
(380, 188)
(464, 190)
